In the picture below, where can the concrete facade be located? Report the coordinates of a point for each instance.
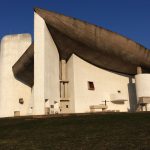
(46, 68)
(109, 86)
(11, 90)
(67, 74)
(143, 89)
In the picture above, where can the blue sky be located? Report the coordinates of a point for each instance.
(130, 18)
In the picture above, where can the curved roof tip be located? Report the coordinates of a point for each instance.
(99, 46)
(38, 10)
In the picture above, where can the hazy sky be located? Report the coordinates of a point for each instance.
(127, 17)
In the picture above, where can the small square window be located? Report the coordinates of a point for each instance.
(67, 106)
(52, 106)
(46, 100)
(21, 101)
(91, 85)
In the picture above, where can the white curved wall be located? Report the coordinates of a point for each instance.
(12, 47)
(106, 84)
(142, 85)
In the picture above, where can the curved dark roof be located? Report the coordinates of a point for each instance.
(94, 44)
(23, 69)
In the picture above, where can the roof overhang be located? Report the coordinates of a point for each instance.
(23, 69)
(96, 45)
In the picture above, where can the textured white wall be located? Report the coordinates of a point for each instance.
(70, 78)
(39, 102)
(12, 47)
(46, 67)
(106, 83)
(51, 76)
(142, 85)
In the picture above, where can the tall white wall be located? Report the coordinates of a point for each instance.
(106, 84)
(12, 47)
(46, 67)
(51, 76)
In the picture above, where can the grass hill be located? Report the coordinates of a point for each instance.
(110, 131)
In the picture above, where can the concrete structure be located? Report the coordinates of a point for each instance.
(11, 90)
(72, 67)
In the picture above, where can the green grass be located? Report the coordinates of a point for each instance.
(128, 131)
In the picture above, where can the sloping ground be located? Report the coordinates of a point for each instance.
(130, 131)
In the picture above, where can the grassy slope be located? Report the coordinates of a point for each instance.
(89, 132)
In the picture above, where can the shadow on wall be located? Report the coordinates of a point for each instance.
(132, 95)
